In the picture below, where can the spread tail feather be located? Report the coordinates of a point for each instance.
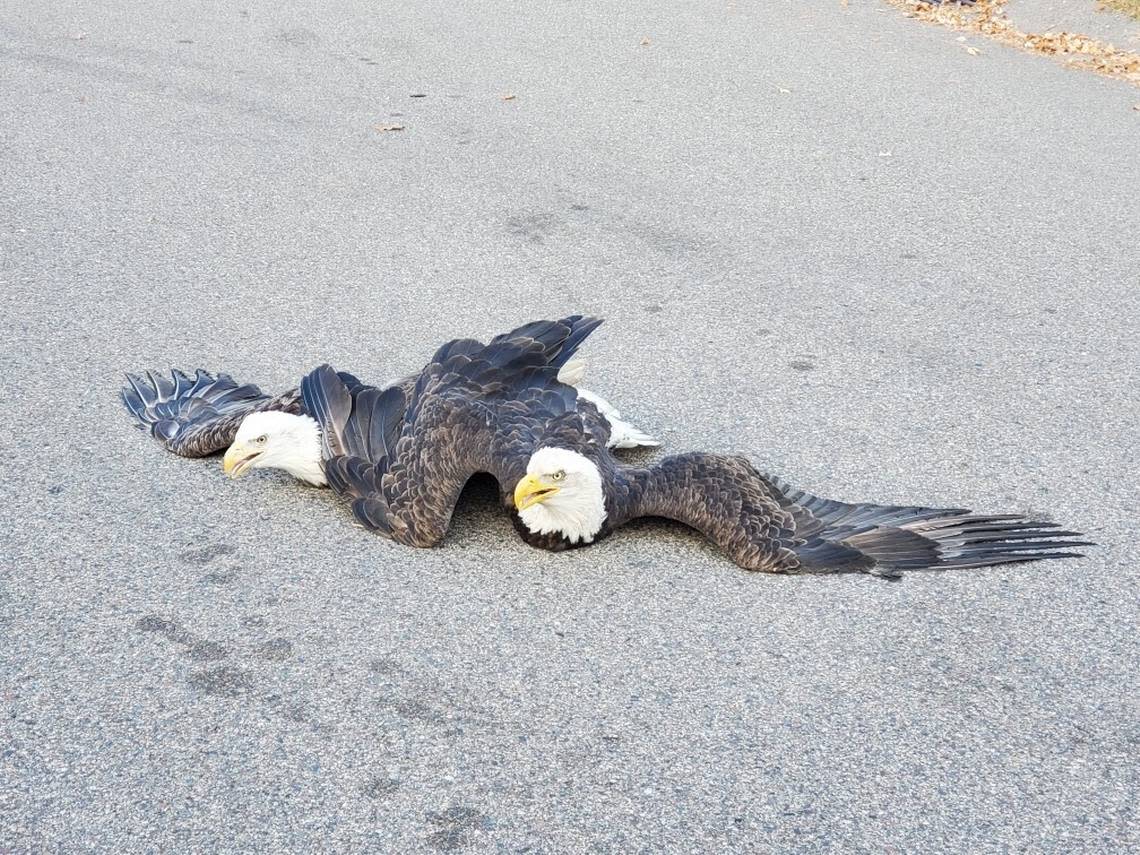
(622, 433)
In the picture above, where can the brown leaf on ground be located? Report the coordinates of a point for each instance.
(988, 18)
(645, 42)
(510, 97)
(1128, 7)
(383, 128)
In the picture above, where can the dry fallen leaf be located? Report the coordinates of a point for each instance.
(972, 51)
(987, 18)
(388, 127)
(785, 91)
(510, 97)
(645, 42)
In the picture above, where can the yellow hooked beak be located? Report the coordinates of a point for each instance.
(237, 460)
(531, 490)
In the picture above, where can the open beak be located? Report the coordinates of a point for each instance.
(237, 460)
(531, 490)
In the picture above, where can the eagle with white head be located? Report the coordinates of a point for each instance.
(402, 459)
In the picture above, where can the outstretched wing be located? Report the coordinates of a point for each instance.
(330, 397)
(359, 429)
(194, 418)
(764, 524)
(403, 459)
(559, 339)
(886, 539)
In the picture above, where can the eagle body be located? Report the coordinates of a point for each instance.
(401, 456)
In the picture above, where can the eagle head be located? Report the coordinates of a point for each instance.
(277, 440)
(561, 493)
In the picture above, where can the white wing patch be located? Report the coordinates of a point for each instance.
(573, 372)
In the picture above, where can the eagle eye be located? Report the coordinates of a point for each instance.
(558, 476)
(261, 439)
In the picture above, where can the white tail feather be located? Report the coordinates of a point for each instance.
(622, 433)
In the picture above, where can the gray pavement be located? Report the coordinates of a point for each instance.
(828, 237)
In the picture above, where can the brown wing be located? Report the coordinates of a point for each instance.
(764, 524)
(720, 496)
(194, 418)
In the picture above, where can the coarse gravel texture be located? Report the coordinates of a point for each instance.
(823, 235)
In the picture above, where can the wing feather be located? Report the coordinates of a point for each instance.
(194, 418)
(328, 400)
(765, 524)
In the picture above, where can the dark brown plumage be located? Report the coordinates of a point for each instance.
(199, 417)
(763, 523)
(402, 455)
(403, 458)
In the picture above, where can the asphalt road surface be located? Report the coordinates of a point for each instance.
(829, 237)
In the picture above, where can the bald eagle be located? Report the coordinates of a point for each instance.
(201, 416)
(402, 456)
